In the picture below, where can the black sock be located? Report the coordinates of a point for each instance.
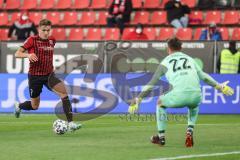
(27, 105)
(67, 107)
(162, 131)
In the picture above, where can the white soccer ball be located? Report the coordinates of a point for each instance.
(60, 126)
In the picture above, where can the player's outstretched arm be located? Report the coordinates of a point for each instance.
(161, 70)
(20, 53)
(222, 87)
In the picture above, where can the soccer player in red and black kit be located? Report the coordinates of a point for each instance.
(40, 54)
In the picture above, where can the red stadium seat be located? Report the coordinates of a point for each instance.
(224, 32)
(69, 18)
(14, 17)
(126, 32)
(4, 34)
(46, 4)
(236, 34)
(189, 3)
(88, 18)
(213, 16)
(1, 3)
(197, 33)
(196, 17)
(151, 4)
(54, 17)
(231, 17)
(165, 33)
(102, 18)
(97, 4)
(13, 4)
(137, 3)
(80, 4)
(112, 34)
(76, 34)
(150, 32)
(63, 4)
(35, 17)
(59, 33)
(94, 34)
(4, 18)
(159, 17)
(184, 33)
(141, 17)
(162, 4)
(29, 4)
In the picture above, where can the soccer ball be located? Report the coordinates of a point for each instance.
(60, 126)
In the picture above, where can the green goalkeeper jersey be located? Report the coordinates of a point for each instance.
(182, 73)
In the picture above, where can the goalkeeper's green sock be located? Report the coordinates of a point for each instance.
(161, 115)
(192, 116)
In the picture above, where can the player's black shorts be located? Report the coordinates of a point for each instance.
(36, 83)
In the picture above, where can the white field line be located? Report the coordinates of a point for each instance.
(198, 155)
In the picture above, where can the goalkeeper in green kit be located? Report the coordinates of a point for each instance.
(184, 75)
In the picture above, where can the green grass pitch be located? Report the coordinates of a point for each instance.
(113, 138)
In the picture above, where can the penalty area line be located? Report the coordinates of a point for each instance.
(198, 155)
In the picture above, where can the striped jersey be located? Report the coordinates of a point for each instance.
(43, 48)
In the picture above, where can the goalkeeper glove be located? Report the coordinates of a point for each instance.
(133, 108)
(224, 88)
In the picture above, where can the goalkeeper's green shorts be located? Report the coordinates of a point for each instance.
(181, 99)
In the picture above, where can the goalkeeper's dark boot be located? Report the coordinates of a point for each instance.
(189, 139)
(158, 140)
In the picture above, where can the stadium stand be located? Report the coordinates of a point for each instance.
(141, 17)
(1, 3)
(15, 16)
(69, 18)
(46, 4)
(225, 33)
(137, 3)
(190, 3)
(94, 34)
(76, 34)
(159, 17)
(102, 18)
(54, 17)
(165, 33)
(4, 18)
(184, 33)
(73, 14)
(80, 4)
(29, 4)
(213, 16)
(12, 4)
(231, 17)
(63, 4)
(96, 4)
(150, 32)
(197, 33)
(195, 17)
(151, 4)
(59, 33)
(236, 34)
(35, 16)
(111, 34)
(87, 18)
(3, 34)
